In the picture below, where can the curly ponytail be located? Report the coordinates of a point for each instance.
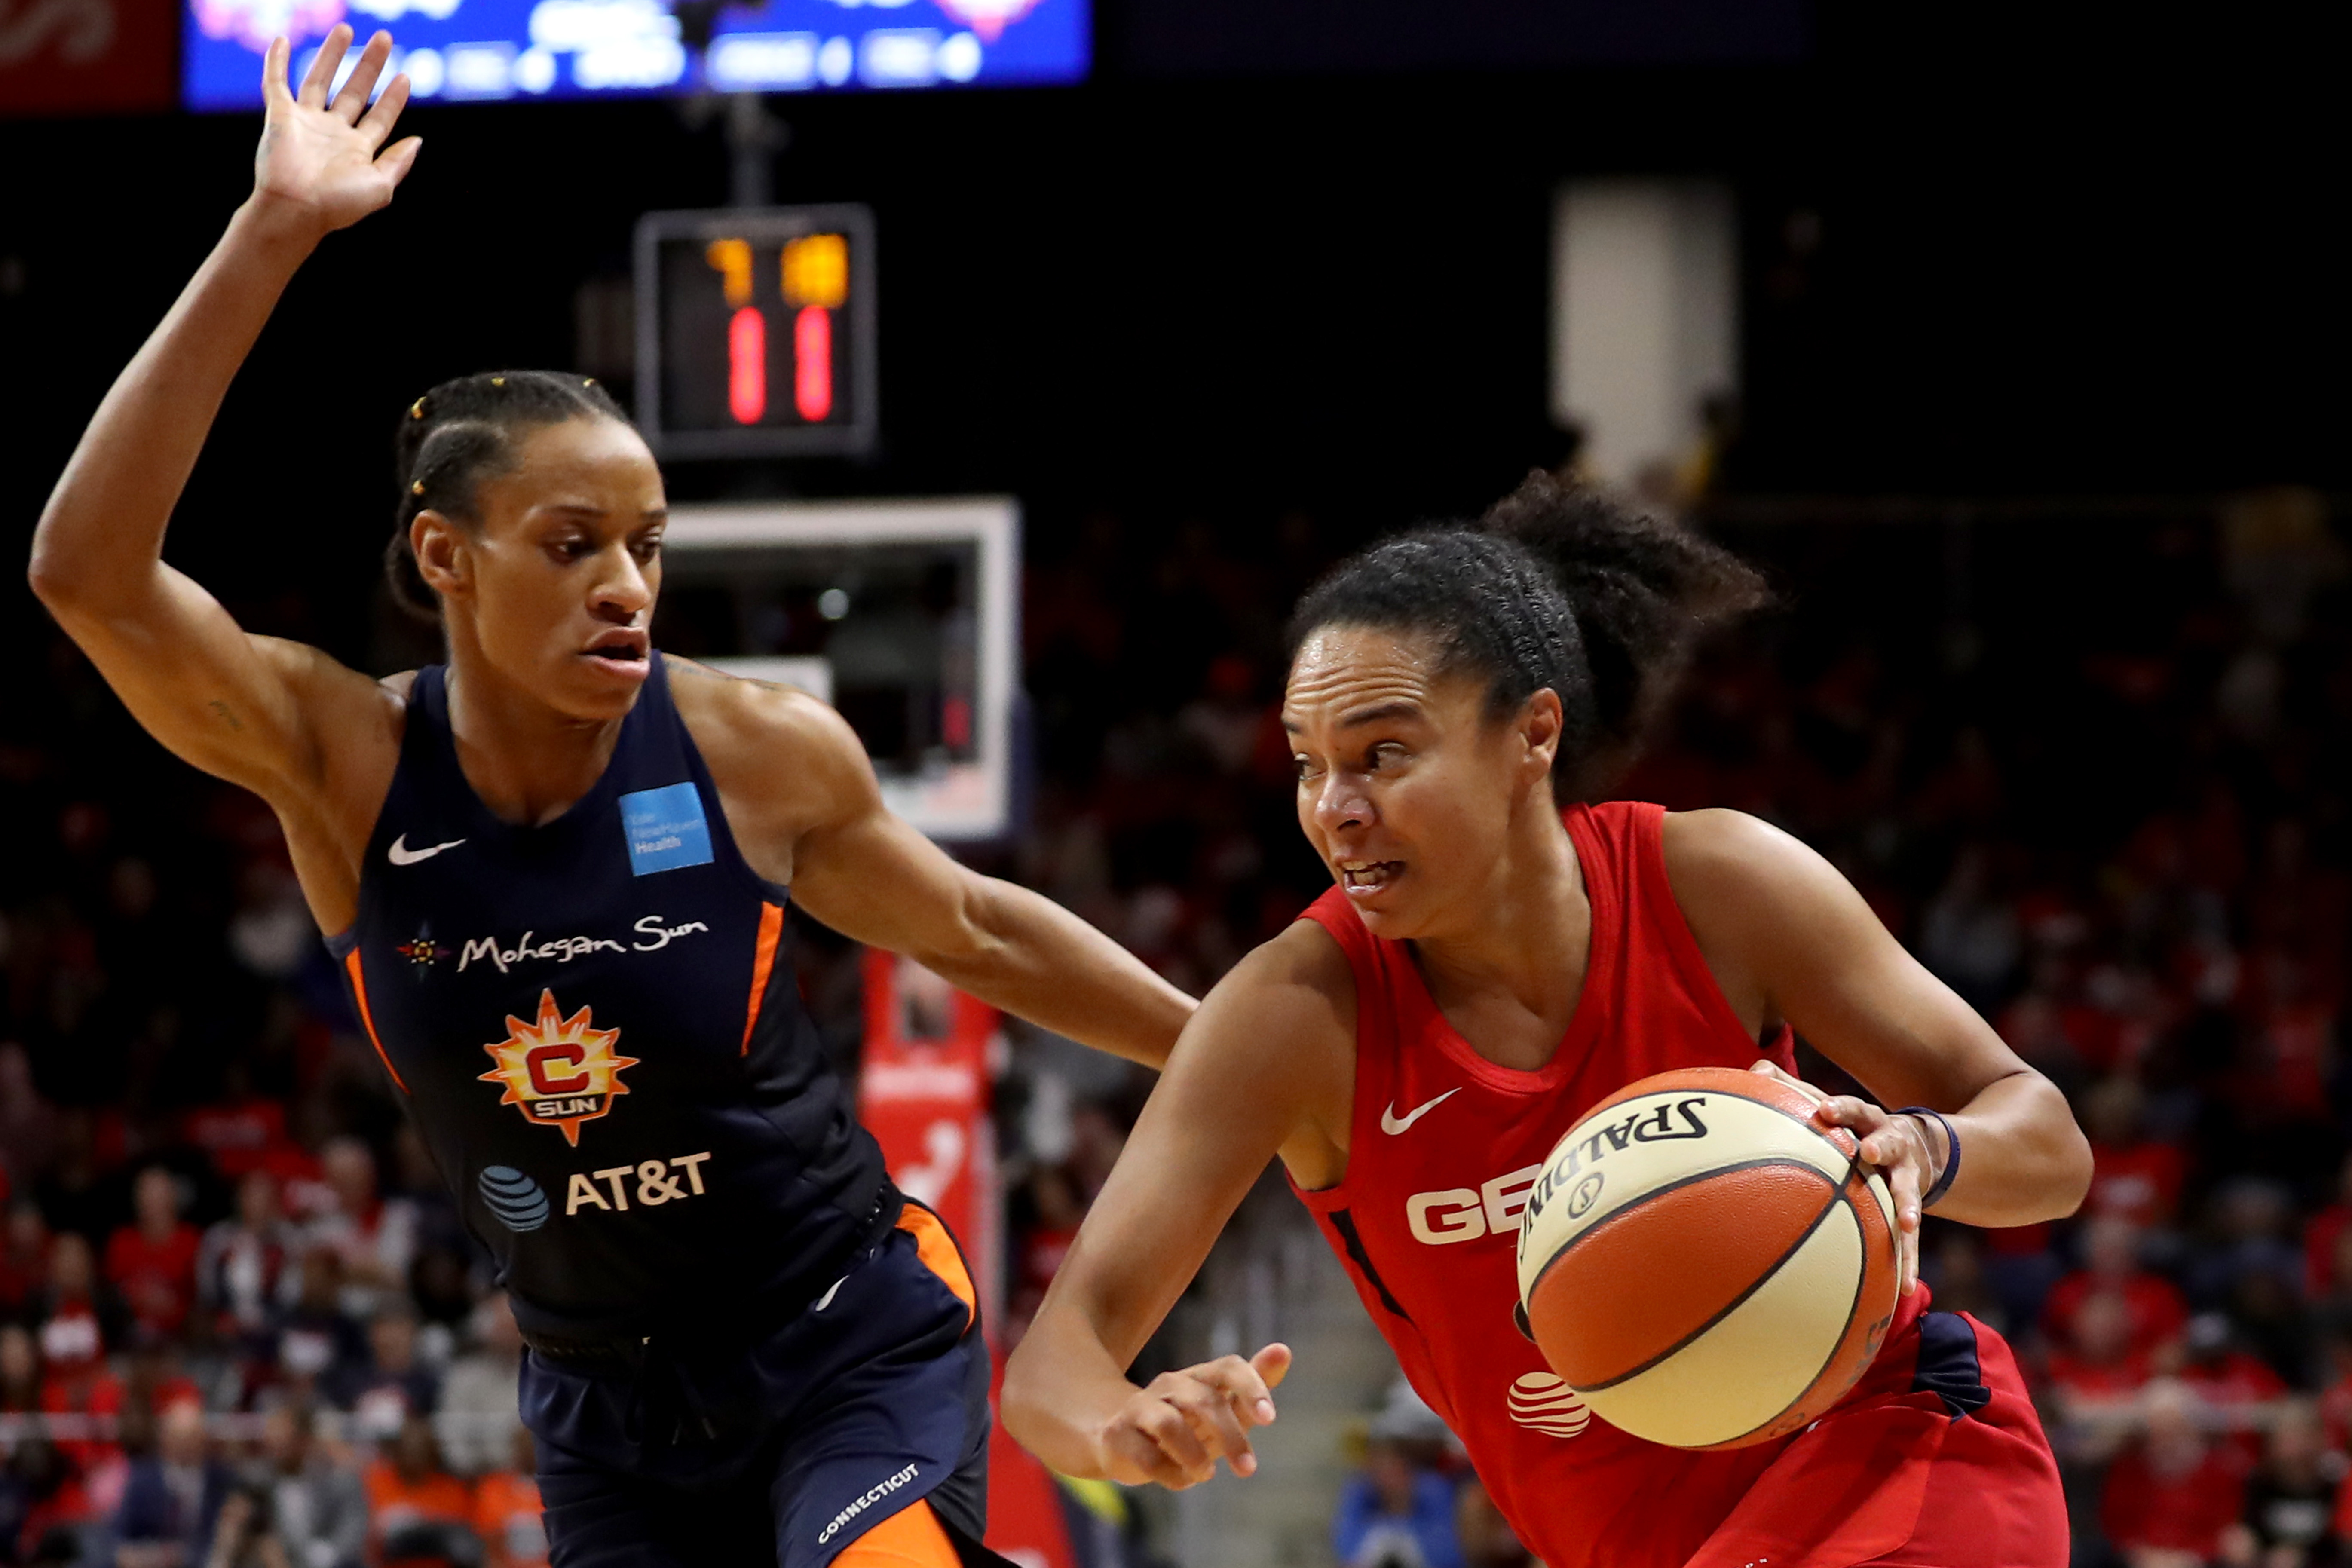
(458, 435)
(1559, 586)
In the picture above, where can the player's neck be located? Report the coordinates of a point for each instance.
(528, 762)
(1523, 936)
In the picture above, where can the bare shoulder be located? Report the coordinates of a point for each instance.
(1303, 971)
(1718, 853)
(772, 745)
(1766, 907)
(1277, 1035)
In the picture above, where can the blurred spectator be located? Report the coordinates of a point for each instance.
(1393, 1515)
(374, 1237)
(1397, 1511)
(1969, 935)
(24, 1256)
(479, 1396)
(151, 1262)
(155, 1381)
(2171, 1497)
(2239, 1393)
(2111, 1266)
(319, 1347)
(2290, 1508)
(2133, 1177)
(396, 1386)
(47, 1506)
(316, 1507)
(242, 1135)
(28, 1127)
(241, 1271)
(20, 1370)
(507, 1514)
(2095, 1381)
(245, 1534)
(174, 1497)
(2250, 1223)
(77, 1380)
(1487, 1541)
(2323, 1233)
(412, 1496)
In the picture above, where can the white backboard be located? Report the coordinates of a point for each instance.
(903, 614)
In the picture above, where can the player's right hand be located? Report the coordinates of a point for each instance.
(1174, 1429)
(318, 168)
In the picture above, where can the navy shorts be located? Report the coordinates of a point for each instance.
(783, 1455)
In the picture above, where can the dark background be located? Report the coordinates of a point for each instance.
(1986, 252)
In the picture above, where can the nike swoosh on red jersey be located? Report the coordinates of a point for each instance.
(1392, 1124)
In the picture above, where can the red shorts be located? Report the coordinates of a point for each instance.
(1941, 1463)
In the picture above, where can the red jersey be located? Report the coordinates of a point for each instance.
(1442, 1147)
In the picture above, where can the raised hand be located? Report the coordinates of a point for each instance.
(319, 165)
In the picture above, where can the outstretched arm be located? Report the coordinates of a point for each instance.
(1265, 1066)
(231, 704)
(1780, 926)
(806, 809)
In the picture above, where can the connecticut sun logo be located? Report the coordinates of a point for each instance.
(557, 1069)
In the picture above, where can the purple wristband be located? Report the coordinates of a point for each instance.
(1935, 1195)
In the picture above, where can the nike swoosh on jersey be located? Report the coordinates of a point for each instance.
(400, 854)
(1392, 1124)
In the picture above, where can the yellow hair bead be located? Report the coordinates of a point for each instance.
(416, 409)
(498, 381)
(417, 487)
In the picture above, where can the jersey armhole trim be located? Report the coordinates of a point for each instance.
(1674, 925)
(763, 960)
(367, 1016)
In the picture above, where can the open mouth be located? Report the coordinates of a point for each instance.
(621, 646)
(1364, 876)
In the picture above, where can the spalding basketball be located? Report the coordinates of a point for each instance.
(1704, 1263)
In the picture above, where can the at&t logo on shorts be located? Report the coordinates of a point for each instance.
(557, 1071)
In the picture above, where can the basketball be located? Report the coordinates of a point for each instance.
(1705, 1265)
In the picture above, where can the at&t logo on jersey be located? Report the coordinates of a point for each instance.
(1542, 1402)
(559, 1071)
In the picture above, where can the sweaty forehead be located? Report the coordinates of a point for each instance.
(1344, 670)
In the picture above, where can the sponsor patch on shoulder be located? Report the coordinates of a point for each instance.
(665, 828)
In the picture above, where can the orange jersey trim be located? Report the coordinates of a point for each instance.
(772, 930)
(367, 1018)
(910, 1538)
(941, 1255)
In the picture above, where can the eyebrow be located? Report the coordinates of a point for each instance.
(1377, 713)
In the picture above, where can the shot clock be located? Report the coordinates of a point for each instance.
(755, 332)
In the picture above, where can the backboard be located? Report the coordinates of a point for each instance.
(903, 614)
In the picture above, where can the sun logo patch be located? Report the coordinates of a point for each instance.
(559, 1071)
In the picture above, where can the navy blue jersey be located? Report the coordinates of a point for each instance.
(595, 1025)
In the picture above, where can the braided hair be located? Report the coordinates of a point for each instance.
(1558, 585)
(464, 431)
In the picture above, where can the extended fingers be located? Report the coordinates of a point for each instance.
(376, 123)
(352, 102)
(321, 73)
(274, 90)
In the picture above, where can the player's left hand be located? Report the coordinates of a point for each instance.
(1901, 1148)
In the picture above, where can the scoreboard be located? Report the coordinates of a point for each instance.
(755, 332)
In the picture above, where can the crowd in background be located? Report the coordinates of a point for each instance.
(2095, 777)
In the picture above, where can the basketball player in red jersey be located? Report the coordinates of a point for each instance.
(1487, 967)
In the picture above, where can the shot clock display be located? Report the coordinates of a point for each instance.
(755, 332)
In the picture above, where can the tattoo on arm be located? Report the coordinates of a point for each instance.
(227, 715)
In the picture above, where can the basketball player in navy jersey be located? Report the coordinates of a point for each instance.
(556, 870)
